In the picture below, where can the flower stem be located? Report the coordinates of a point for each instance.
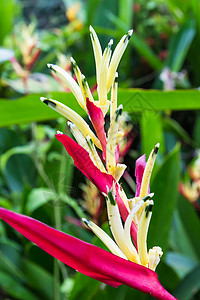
(56, 280)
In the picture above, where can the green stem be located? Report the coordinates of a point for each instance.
(56, 280)
(37, 162)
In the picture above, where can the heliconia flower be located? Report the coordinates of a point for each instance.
(27, 41)
(92, 200)
(191, 188)
(130, 262)
(86, 258)
(18, 68)
(191, 191)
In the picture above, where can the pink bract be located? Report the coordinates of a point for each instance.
(101, 180)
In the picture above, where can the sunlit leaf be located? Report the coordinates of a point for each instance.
(30, 108)
(165, 187)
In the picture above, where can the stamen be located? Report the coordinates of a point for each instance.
(59, 132)
(154, 257)
(116, 57)
(120, 135)
(73, 117)
(132, 202)
(117, 229)
(80, 138)
(78, 74)
(97, 51)
(70, 82)
(129, 219)
(86, 89)
(148, 170)
(124, 197)
(111, 141)
(103, 71)
(142, 232)
(96, 157)
(105, 238)
(113, 105)
(119, 171)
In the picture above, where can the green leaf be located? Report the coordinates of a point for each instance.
(144, 50)
(26, 149)
(14, 288)
(5, 203)
(190, 222)
(97, 13)
(39, 279)
(125, 13)
(196, 11)
(20, 170)
(10, 259)
(189, 286)
(151, 122)
(84, 288)
(167, 276)
(30, 108)
(138, 43)
(171, 125)
(9, 139)
(181, 263)
(179, 45)
(165, 187)
(92, 6)
(7, 9)
(179, 239)
(196, 135)
(38, 197)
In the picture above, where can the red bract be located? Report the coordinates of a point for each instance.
(101, 180)
(97, 119)
(139, 170)
(86, 258)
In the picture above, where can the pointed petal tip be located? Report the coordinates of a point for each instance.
(48, 102)
(59, 132)
(49, 66)
(86, 221)
(156, 148)
(130, 32)
(43, 99)
(110, 43)
(53, 67)
(91, 29)
(157, 145)
(73, 62)
(70, 124)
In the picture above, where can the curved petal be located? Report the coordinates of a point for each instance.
(97, 118)
(124, 212)
(62, 246)
(101, 180)
(117, 154)
(86, 258)
(83, 162)
(139, 170)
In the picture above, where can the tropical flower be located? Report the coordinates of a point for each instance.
(130, 262)
(190, 189)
